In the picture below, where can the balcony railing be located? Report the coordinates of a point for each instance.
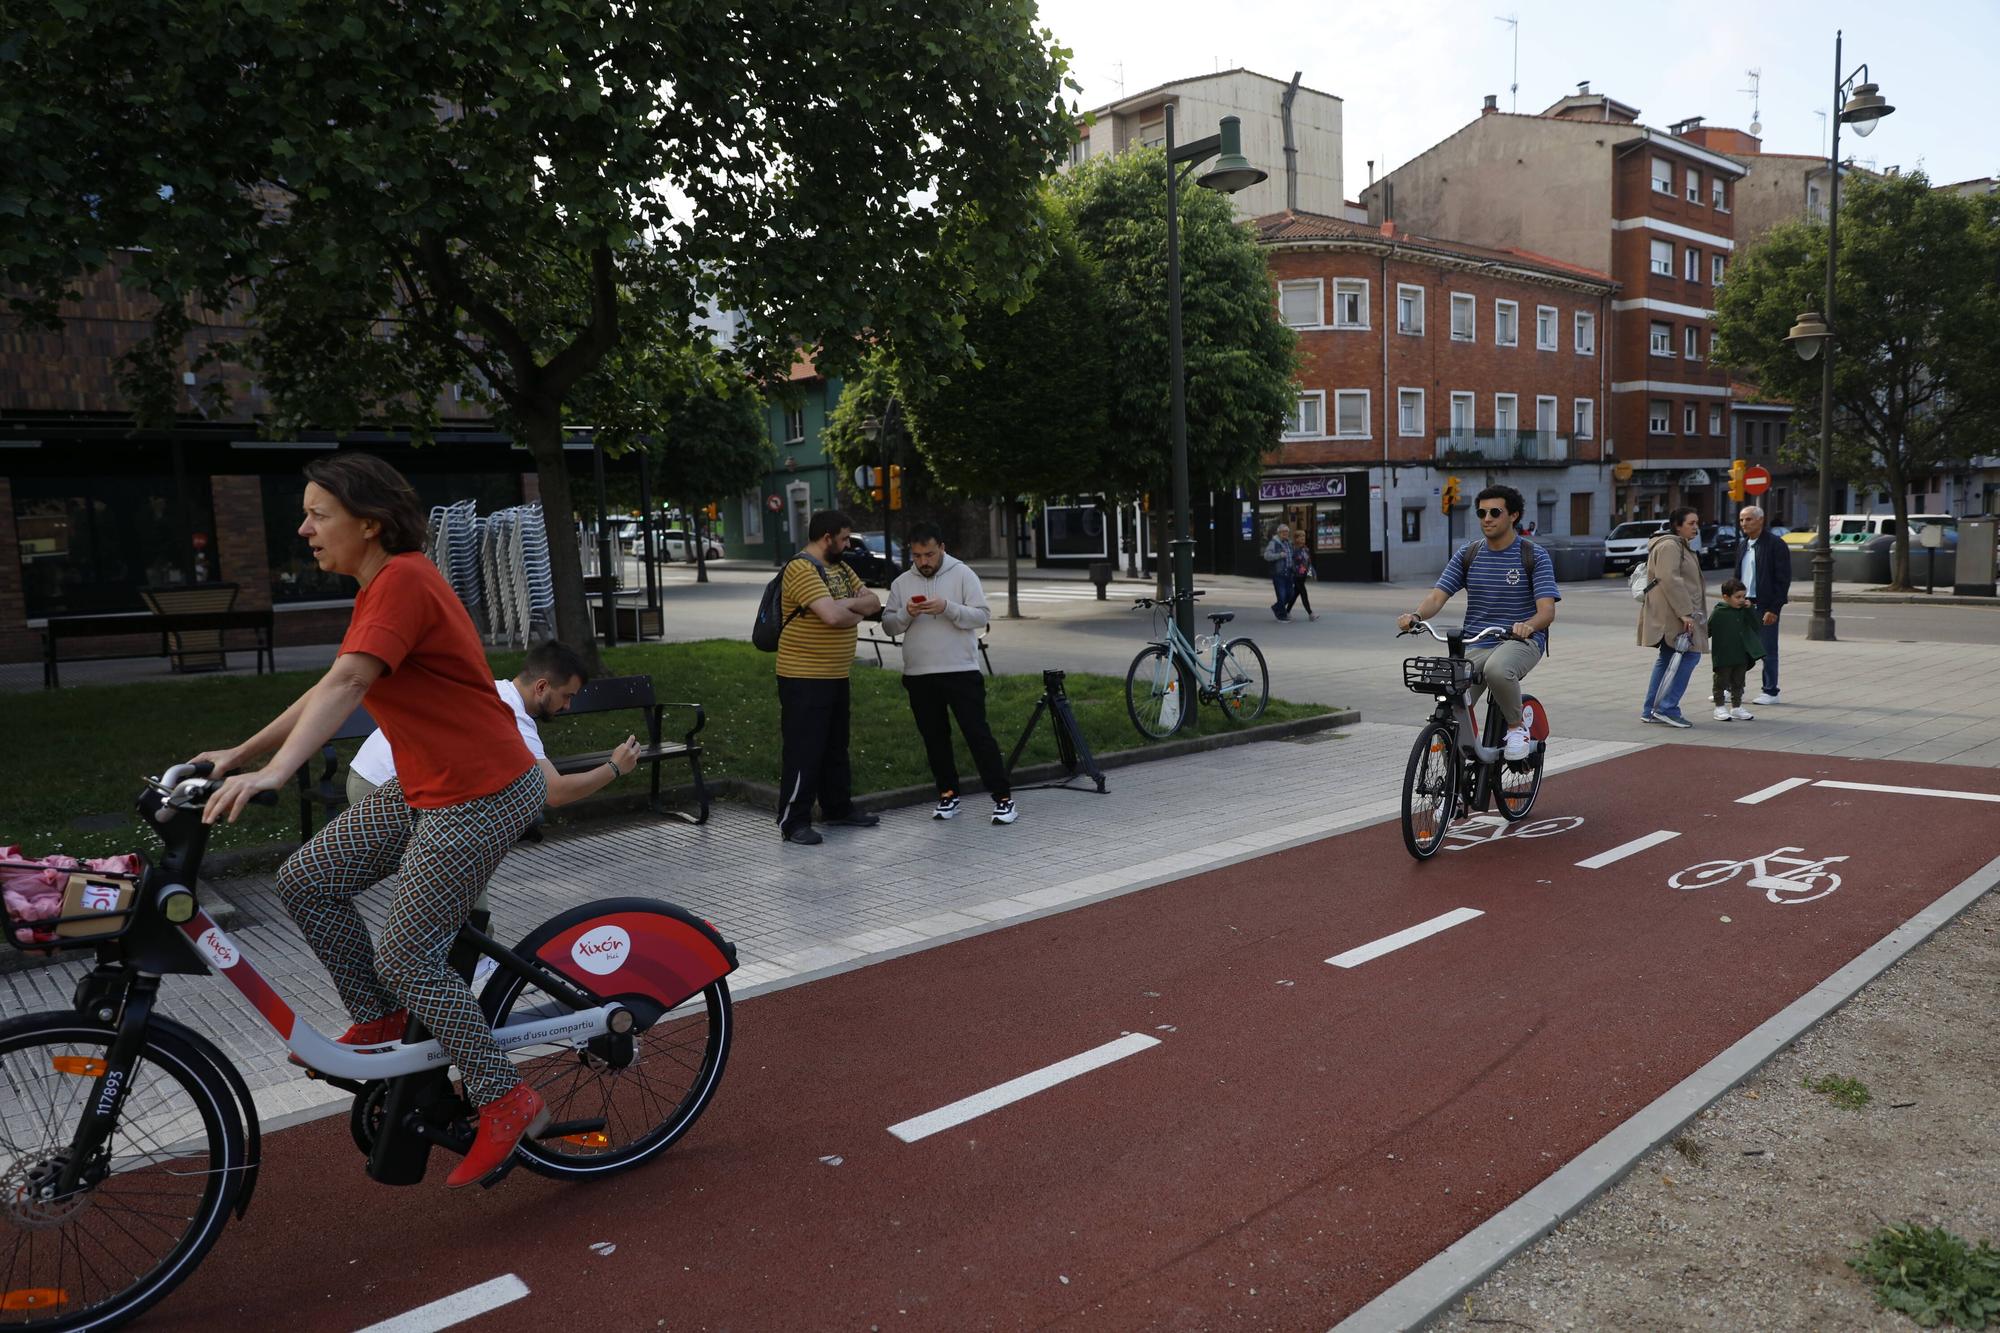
(1526, 446)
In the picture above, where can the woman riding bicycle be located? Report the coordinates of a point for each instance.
(466, 787)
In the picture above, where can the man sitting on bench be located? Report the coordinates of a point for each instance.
(550, 676)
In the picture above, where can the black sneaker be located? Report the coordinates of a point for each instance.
(805, 835)
(946, 808)
(857, 819)
(1004, 812)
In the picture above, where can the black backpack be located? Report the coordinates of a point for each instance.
(1528, 548)
(771, 622)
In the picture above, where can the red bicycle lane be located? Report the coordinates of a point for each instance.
(1300, 1136)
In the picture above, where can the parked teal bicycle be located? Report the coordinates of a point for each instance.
(1170, 675)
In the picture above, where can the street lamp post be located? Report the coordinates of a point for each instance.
(1230, 174)
(1813, 334)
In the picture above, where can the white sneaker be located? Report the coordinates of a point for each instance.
(1518, 744)
(1722, 714)
(1004, 812)
(946, 808)
(1765, 699)
(1740, 714)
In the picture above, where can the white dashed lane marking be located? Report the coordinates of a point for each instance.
(1625, 849)
(1360, 954)
(1014, 1090)
(455, 1308)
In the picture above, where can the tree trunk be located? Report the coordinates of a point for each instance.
(1899, 504)
(1013, 559)
(542, 434)
(700, 547)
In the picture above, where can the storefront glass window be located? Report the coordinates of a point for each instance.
(88, 544)
(294, 576)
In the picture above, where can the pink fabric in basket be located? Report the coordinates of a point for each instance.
(32, 887)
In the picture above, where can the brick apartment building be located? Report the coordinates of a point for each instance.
(1585, 183)
(1424, 359)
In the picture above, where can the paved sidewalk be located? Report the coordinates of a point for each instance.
(795, 912)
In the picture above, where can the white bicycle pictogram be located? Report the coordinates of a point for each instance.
(1478, 830)
(1806, 880)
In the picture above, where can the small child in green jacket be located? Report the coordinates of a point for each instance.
(1733, 644)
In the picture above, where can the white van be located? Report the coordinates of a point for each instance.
(1626, 546)
(1851, 526)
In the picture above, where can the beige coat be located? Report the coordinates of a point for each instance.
(1678, 593)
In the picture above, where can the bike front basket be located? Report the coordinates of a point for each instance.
(66, 907)
(1437, 675)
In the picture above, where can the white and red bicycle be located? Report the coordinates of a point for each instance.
(126, 1138)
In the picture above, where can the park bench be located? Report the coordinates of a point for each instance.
(606, 694)
(878, 638)
(62, 629)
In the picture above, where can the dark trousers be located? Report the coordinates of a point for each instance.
(1769, 634)
(934, 701)
(1729, 684)
(1299, 597)
(812, 715)
(1281, 584)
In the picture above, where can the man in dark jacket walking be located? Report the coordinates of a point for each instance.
(1764, 563)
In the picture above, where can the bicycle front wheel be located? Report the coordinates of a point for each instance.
(1158, 693)
(149, 1202)
(1243, 682)
(1516, 784)
(1430, 789)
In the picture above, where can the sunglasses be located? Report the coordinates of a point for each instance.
(1491, 513)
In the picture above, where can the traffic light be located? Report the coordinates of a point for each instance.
(714, 512)
(1736, 489)
(895, 486)
(1448, 498)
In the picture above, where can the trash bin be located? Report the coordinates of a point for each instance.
(1100, 574)
(1972, 574)
(1576, 559)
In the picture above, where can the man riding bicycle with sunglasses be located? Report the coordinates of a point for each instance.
(1509, 583)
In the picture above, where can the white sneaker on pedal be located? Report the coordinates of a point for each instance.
(1518, 744)
(1721, 713)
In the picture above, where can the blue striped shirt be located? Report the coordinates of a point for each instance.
(1496, 593)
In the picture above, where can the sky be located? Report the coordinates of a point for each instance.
(1411, 72)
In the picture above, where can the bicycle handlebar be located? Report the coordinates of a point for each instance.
(1146, 603)
(1425, 626)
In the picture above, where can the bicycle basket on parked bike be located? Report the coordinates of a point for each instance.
(63, 903)
(1437, 675)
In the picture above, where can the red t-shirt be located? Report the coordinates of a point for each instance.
(454, 740)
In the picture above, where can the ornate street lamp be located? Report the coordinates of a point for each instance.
(1861, 105)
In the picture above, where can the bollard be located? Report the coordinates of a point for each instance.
(1100, 574)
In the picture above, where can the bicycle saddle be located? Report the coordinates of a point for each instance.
(1221, 618)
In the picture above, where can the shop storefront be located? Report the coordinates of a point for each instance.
(1331, 509)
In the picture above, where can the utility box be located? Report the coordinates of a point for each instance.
(1974, 574)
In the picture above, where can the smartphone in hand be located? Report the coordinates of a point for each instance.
(918, 597)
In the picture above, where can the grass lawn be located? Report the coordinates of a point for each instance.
(79, 752)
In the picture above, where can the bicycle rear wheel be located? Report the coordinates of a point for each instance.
(1430, 789)
(1243, 681)
(152, 1199)
(1159, 694)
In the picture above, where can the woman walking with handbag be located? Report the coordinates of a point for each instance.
(1302, 574)
(1671, 619)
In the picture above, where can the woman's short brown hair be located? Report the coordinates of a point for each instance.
(369, 488)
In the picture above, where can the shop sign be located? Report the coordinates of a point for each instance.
(1302, 488)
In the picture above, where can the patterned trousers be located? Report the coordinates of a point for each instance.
(445, 858)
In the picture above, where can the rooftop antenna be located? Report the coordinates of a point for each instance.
(1513, 89)
(1756, 116)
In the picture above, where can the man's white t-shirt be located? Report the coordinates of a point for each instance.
(376, 763)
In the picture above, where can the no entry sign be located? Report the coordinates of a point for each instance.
(1756, 481)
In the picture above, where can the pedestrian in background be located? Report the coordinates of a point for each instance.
(1733, 645)
(938, 606)
(1670, 619)
(1764, 563)
(1278, 555)
(1302, 574)
(822, 600)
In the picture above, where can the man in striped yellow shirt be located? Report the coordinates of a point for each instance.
(822, 600)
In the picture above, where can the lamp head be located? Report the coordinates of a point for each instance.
(1808, 335)
(1232, 171)
(1865, 108)
(871, 427)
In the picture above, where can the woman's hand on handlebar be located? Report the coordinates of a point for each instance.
(228, 800)
(224, 762)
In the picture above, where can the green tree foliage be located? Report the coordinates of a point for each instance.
(1916, 381)
(412, 196)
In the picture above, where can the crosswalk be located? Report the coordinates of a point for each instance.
(1052, 592)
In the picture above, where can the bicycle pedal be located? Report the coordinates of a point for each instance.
(498, 1173)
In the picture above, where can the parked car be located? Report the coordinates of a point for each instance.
(873, 541)
(1626, 546)
(1719, 545)
(676, 544)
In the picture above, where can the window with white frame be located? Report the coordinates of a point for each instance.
(1716, 265)
(1308, 416)
(1506, 414)
(1350, 303)
(1350, 414)
(1410, 411)
(1545, 327)
(1464, 414)
(1545, 415)
(1584, 420)
(1687, 418)
(1663, 258)
(1719, 195)
(1691, 270)
(1409, 309)
(1715, 421)
(795, 424)
(1586, 333)
(1663, 339)
(1464, 317)
(1812, 199)
(1691, 343)
(1299, 303)
(1506, 323)
(1663, 175)
(1693, 186)
(1658, 410)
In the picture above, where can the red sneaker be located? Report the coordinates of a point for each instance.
(503, 1123)
(389, 1027)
